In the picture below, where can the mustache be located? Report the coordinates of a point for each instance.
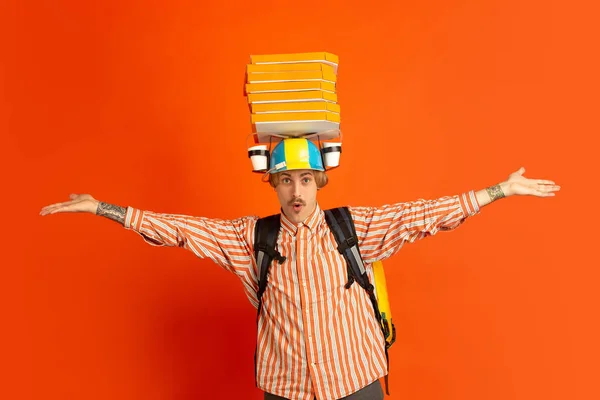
(296, 200)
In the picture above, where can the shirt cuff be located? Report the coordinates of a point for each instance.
(469, 204)
(133, 219)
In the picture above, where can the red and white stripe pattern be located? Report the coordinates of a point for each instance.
(315, 338)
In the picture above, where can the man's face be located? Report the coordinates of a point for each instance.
(297, 192)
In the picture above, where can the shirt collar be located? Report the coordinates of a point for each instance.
(312, 221)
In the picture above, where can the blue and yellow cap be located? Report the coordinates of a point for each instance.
(295, 153)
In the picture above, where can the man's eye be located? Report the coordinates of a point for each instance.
(306, 180)
(286, 180)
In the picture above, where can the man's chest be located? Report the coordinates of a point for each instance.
(313, 266)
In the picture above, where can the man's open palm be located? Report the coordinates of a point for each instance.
(520, 185)
(78, 203)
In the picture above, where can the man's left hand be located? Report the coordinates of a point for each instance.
(517, 184)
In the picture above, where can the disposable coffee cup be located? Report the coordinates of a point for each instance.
(331, 153)
(259, 157)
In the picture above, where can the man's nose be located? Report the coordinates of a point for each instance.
(296, 189)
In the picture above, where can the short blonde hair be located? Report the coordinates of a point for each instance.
(321, 178)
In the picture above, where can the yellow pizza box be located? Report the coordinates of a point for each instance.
(292, 67)
(296, 116)
(255, 77)
(300, 106)
(322, 57)
(309, 95)
(306, 124)
(289, 86)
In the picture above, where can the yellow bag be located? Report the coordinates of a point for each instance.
(384, 303)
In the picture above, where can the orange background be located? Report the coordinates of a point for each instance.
(141, 103)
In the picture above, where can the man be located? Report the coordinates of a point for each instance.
(316, 338)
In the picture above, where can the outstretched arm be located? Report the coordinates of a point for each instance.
(382, 231)
(226, 242)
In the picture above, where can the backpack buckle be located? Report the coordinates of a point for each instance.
(271, 252)
(350, 242)
(262, 247)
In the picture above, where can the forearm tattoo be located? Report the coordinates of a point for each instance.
(495, 192)
(116, 213)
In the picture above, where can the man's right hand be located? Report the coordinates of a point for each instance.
(78, 203)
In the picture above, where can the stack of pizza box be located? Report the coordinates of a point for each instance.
(293, 94)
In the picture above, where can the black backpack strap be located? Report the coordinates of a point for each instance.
(266, 232)
(342, 226)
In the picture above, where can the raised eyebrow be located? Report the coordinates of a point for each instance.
(305, 174)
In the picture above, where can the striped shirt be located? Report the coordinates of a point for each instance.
(315, 338)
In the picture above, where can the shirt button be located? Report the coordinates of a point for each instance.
(304, 284)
